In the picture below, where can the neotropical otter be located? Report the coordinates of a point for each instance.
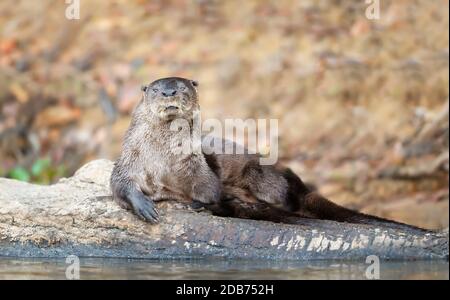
(149, 170)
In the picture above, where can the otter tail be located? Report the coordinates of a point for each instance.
(318, 206)
(305, 202)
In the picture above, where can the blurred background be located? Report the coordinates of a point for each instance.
(362, 104)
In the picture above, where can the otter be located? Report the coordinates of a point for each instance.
(148, 170)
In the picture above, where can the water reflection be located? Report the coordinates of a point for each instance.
(102, 268)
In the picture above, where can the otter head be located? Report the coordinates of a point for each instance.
(171, 98)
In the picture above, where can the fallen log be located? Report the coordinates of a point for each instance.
(77, 216)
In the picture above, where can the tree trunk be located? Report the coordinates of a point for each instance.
(77, 216)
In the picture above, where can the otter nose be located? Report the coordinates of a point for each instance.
(169, 92)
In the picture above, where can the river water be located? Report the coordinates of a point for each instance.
(102, 268)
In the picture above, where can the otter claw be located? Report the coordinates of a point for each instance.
(148, 213)
(150, 217)
(145, 209)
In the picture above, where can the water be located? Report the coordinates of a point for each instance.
(102, 268)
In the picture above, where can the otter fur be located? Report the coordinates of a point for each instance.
(148, 170)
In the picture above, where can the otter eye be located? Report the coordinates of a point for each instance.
(183, 88)
(155, 90)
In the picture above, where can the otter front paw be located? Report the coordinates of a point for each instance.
(145, 209)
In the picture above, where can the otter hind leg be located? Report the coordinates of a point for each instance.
(302, 200)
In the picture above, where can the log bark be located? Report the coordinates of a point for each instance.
(77, 216)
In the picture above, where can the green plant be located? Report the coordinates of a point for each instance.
(42, 171)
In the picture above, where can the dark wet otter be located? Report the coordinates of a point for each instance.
(150, 170)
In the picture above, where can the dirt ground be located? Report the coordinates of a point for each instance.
(362, 104)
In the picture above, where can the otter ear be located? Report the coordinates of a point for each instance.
(194, 83)
(144, 88)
